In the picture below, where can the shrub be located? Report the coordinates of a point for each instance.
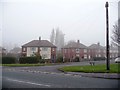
(41, 61)
(8, 60)
(66, 60)
(59, 59)
(76, 59)
(29, 60)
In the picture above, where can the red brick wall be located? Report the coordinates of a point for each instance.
(71, 53)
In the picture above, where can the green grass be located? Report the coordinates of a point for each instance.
(92, 69)
(27, 65)
(22, 65)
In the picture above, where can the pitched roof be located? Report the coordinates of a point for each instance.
(39, 43)
(75, 45)
(96, 46)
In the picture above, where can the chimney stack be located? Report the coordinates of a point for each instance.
(98, 43)
(39, 38)
(78, 41)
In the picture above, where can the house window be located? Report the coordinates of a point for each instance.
(85, 50)
(99, 55)
(96, 55)
(65, 50)
(24, 49)
(44, 56)
(77, 50)
(85, 56)
(53, 49)
(44, 48)
(33, 49)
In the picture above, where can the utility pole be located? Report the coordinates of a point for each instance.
(107, 38)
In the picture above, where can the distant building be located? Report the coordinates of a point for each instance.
(96, 50)
(75, 49)
(2, 51)
(43, 47)
(15, 50)
(113, 51)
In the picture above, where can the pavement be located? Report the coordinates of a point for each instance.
(97, 75)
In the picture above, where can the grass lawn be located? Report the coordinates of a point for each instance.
(114, 68)
(22, 65)
(26, 65)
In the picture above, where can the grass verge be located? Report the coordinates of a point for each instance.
(22, 65)
(114, 68)
(29, 65)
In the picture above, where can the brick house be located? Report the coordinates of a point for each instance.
(43, 47)
(113, 51)
(75, 49)
(96, 50)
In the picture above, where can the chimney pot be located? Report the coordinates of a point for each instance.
(78, 41)
(98, 44)
(39, 38)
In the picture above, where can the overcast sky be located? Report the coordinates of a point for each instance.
(26, 20)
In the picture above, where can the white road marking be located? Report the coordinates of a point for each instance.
(29, 82)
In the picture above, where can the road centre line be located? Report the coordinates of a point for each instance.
(29, 82)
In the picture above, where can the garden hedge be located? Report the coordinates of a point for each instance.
(8, 60)
(30, 60)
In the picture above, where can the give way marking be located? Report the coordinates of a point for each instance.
(29, 82)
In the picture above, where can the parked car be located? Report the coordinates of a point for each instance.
(117, 60)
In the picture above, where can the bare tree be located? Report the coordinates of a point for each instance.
(52, 37)
(59, 39)
(116, 36)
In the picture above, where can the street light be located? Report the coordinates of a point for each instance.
(107, 38)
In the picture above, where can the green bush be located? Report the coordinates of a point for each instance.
(59, 59)
(76, 59)
(41, 61)
(8, 60)
(29, 60)
(66, 60)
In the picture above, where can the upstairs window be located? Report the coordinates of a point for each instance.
(44, 48)
(85, 50)
(77, 50)
(33, 49)
(24, 49)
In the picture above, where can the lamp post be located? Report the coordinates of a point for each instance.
(107, 38)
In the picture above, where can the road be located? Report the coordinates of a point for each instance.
(16, 79)
(54, 68)
(23, 79)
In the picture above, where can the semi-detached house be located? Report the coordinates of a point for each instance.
(43, 47)
(75, 49)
